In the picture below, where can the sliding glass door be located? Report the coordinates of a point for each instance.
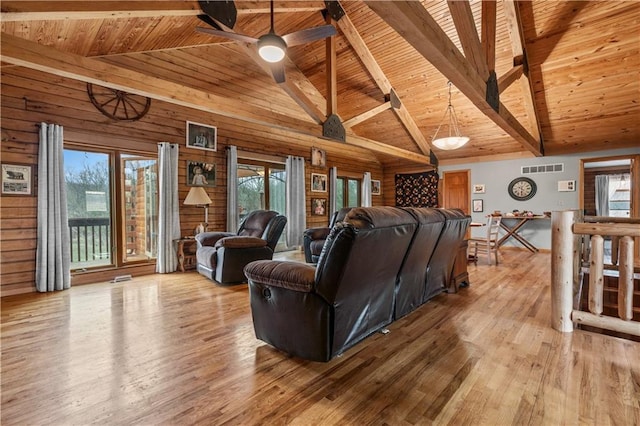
(88, 184)
(112, 199)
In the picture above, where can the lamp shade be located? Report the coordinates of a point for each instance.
(197, 196)
(452, 142)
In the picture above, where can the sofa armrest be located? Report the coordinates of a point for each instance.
(317, 233)
(211, 238)
(289, 275)
(240, 242)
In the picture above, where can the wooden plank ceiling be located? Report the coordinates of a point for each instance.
(567, 72)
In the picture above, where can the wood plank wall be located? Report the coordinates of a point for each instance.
(30, 97)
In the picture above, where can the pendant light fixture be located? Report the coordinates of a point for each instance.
(451, 137)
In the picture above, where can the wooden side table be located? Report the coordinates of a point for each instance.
(186, 251)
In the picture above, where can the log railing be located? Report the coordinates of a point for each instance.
(569, 246)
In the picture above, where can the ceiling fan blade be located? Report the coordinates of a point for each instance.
(233, 36)
(277, 69)
(308, 35)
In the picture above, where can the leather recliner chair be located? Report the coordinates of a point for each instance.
(314, 238)
(222, 256)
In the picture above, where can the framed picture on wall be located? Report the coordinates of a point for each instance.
(318, 182)
(201, 136)
(375, 187)
(478, 188)
(318, 157)
(201, 174)
(16, 179)
(478, 206)
(319, 206)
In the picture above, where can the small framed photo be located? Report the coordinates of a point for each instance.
(375, 187)
(319, 206)
(201, 174)
(201, 136)
(478, 206)
(17, 179)
(318, 182)
(318, 157)
(478, 188)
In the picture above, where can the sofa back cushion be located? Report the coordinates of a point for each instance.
(410, 287)
(255, 223)
(357, 270)
(441, 263)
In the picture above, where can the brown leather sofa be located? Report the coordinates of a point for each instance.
(376, 266)
(222, 256)
(314, 238)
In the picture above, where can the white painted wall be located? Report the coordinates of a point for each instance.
(496, 176)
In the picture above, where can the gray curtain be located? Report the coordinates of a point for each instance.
(53, 252)
(232, 189)
(366, 190)
(602, 195)
(296, 201)
(168, 208)
(333, 186)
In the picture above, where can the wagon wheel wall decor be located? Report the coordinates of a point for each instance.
(117, 104)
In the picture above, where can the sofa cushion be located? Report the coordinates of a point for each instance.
(290, 275)
(207, 257)
(241, 242)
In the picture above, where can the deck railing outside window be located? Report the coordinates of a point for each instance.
(90, 241)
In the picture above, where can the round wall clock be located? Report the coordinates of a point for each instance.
(522, 189)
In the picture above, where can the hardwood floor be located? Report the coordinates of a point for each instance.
(178, 349)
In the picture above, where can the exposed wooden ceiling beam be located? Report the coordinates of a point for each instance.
(32, 55)
(367, 114)
(488, 29)
(360, 47)
(70, 10)
(468, 35)
(331, 58)
(514, 25)
(509, 77)
(414, 23)
(387, 149)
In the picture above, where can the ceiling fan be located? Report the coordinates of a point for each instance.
(271, 46)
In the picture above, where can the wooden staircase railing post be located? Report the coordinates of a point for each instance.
(625, 280)
(565, 248)
(596, 275)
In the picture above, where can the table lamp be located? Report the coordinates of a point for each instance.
(197, 196)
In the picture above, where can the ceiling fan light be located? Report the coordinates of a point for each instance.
(271, 48)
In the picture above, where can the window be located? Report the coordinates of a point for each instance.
(91, 179)
(253, 194)
(347, 192)
(620, 199)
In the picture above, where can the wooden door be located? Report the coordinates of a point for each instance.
(456, 190)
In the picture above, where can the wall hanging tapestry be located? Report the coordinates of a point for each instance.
(417, 189)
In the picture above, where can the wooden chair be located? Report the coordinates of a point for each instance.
(489, 244)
